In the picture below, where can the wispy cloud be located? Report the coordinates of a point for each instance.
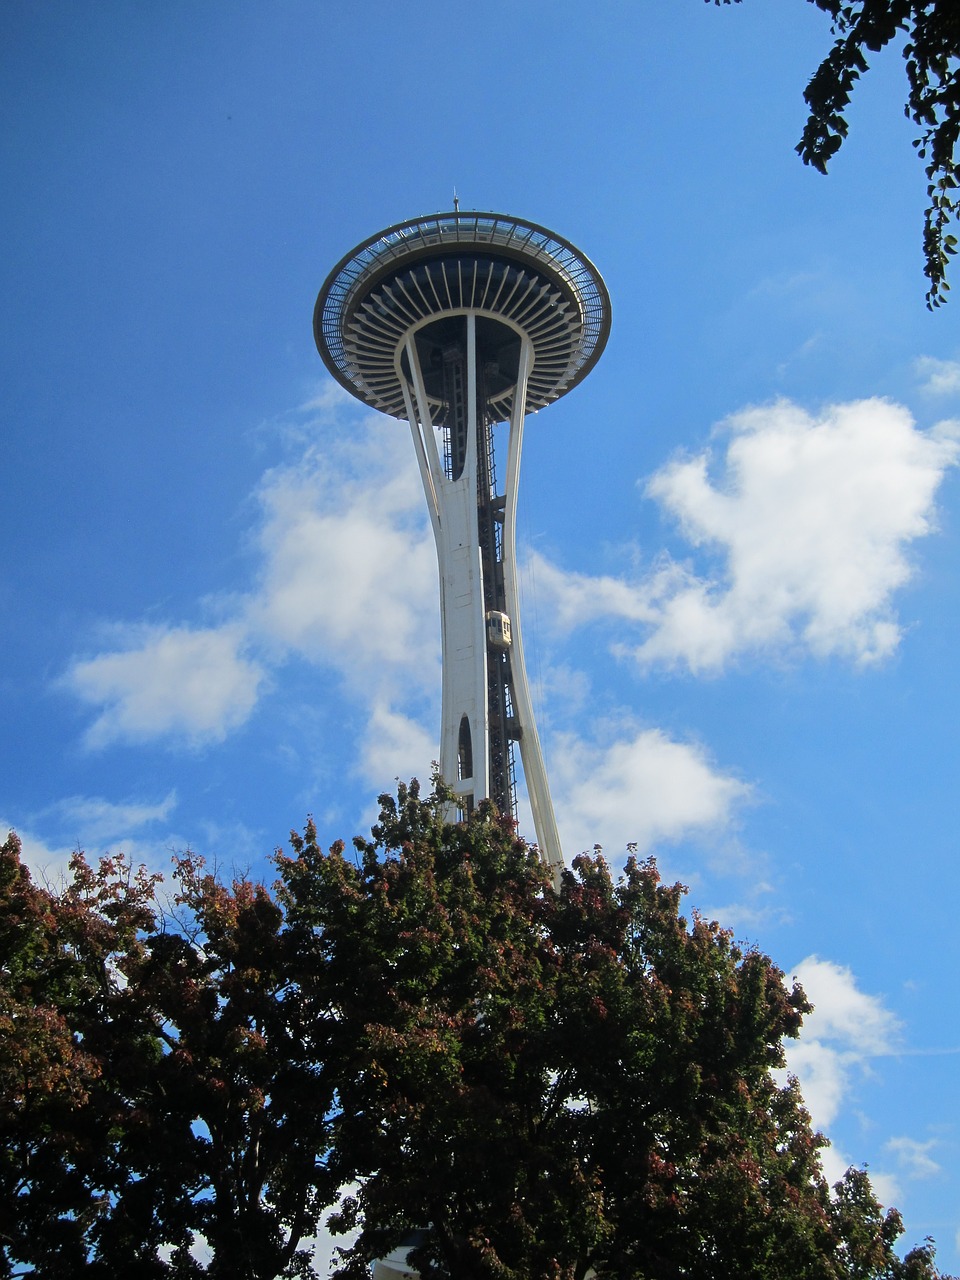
(845, 1031)
(804, 523)
(759, 908)
(102, 820)
(348, 573)
(193, 684)
(938, 377)
(857, 1023)
(97, 826)
(914, 1157)
(645, 789)
(345, 577)
(395, 746)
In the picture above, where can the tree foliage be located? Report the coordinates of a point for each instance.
(931, 50)
(158, 1087)
(426, 1033)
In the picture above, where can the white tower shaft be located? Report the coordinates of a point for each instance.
(486, 704)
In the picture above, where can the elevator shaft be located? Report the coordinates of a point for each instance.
(500, 722)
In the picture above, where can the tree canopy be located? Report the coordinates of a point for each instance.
(158, 1087)
(931, 51)
(424, 1036)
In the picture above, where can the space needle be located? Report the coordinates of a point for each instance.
(459, 322)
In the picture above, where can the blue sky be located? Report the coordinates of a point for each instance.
(740, 534)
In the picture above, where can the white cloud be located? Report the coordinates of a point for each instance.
(168, 682)
(845, 1030)
(346, 577)
(327, 398)
(395, 746)
(808, 520)
(576, 599)
(99, 820)
(824, 1075)
(753, 915)
(914, 1157)
(349, 573)
(97, 827)
(938, 377)
(643, 790)
(842, 1012)
(886, 1186)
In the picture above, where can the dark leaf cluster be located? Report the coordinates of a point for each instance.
(156, 1090)
(928, 32)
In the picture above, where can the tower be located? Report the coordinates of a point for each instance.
(459, 322)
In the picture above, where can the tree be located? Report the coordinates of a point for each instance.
(551, 1083)
(546, 1082)
(229, 1136)
(932, 55)
(56, 1172)
(160, 1092)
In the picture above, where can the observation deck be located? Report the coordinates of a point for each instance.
(517, 278)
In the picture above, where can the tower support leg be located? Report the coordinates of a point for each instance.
(534, 770)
